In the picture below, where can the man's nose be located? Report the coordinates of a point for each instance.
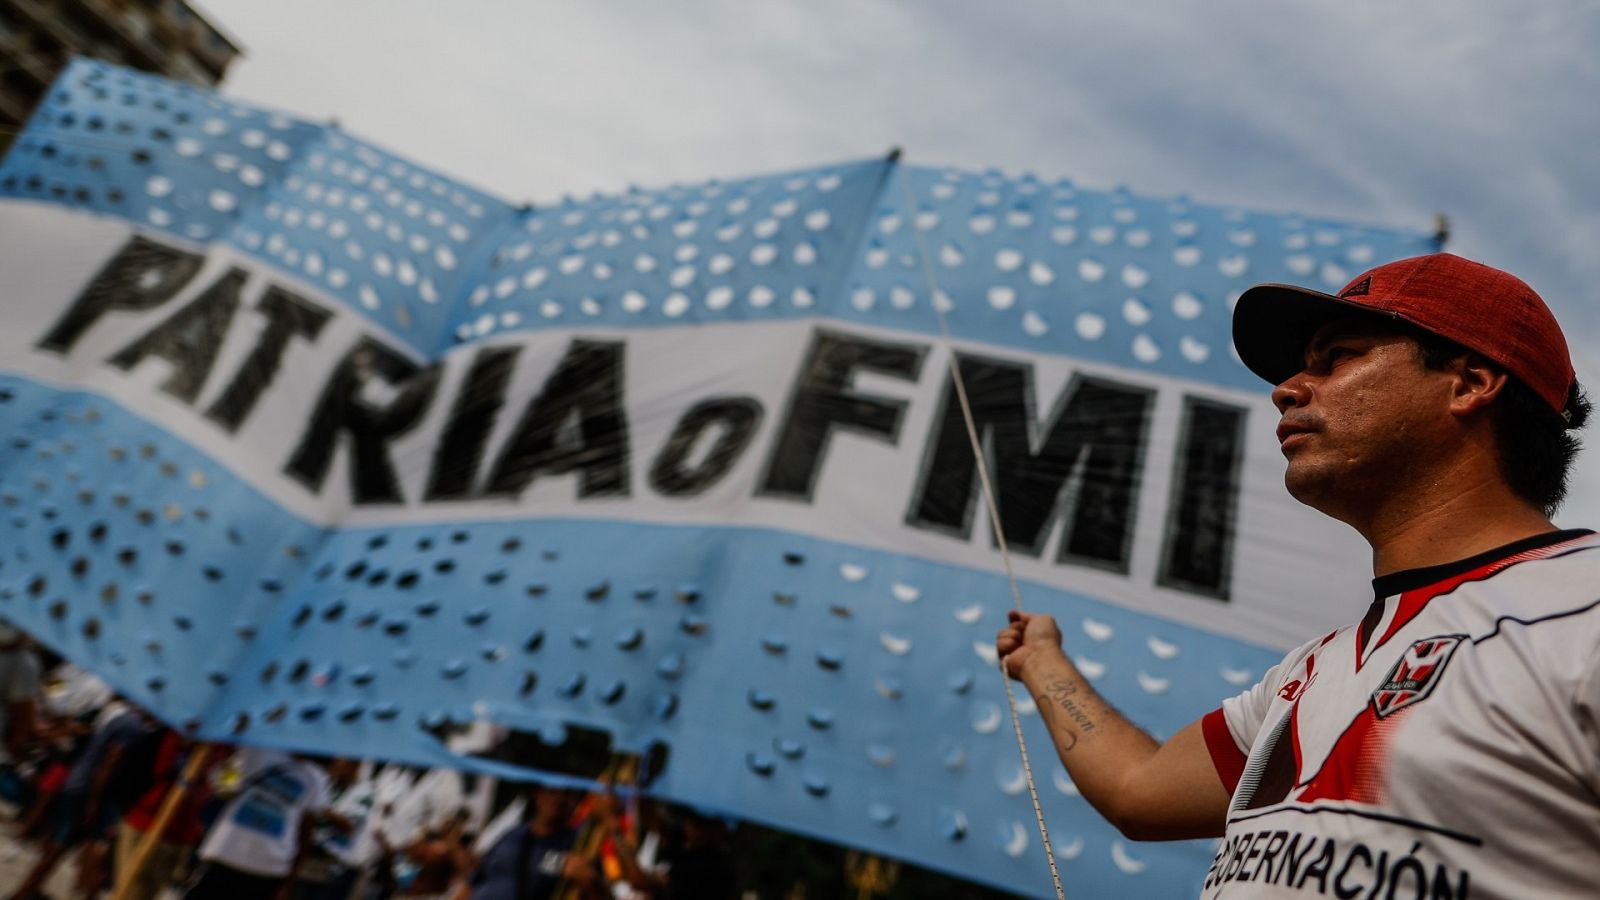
(1291, 392)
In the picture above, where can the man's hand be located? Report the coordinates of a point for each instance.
(1026, 637)
(1149, 791)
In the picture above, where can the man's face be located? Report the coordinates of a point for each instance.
(553, 804)
(1360, 417)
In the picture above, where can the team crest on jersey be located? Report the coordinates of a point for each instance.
(1413, 678)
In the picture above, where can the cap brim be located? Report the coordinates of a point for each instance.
(1273, 323)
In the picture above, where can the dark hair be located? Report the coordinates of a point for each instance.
(1536, 445)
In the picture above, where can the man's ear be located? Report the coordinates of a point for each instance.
(1478, 382)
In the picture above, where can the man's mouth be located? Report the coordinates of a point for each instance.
(1288, 431)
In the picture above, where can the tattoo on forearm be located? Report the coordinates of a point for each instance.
(1079, 724)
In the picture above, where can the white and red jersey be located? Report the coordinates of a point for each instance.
(1448, 745)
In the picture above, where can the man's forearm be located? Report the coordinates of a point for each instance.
(1149, 791)
(1097, 744)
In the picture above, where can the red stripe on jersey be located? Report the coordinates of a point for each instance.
(1413, 602)
(1357, 768)
(1294, 738)
(1225, 754)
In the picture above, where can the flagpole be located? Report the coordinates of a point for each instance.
(169, 806)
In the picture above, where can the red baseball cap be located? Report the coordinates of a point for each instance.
(1481, 308)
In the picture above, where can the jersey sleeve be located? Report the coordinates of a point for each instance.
(1230, 729)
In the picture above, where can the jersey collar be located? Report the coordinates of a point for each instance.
(1412, 579)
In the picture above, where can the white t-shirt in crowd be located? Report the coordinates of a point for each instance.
(259, 830)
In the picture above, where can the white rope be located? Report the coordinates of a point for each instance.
(934, 298)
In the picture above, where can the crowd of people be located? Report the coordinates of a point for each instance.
(86, 776)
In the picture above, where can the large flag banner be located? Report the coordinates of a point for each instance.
(305, 445)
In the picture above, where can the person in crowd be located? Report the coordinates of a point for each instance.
(87, 810)
(182, 832)
(378, 840)
(438, 860)
(379, 850)
(72, 704)
(69, 703)
(336, 855)
(19, 698)
(529, 862)
(257, 844)
(694, 862)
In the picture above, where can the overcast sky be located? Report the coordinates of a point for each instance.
(1384, 113)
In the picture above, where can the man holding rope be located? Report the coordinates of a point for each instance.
(1448, 744)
